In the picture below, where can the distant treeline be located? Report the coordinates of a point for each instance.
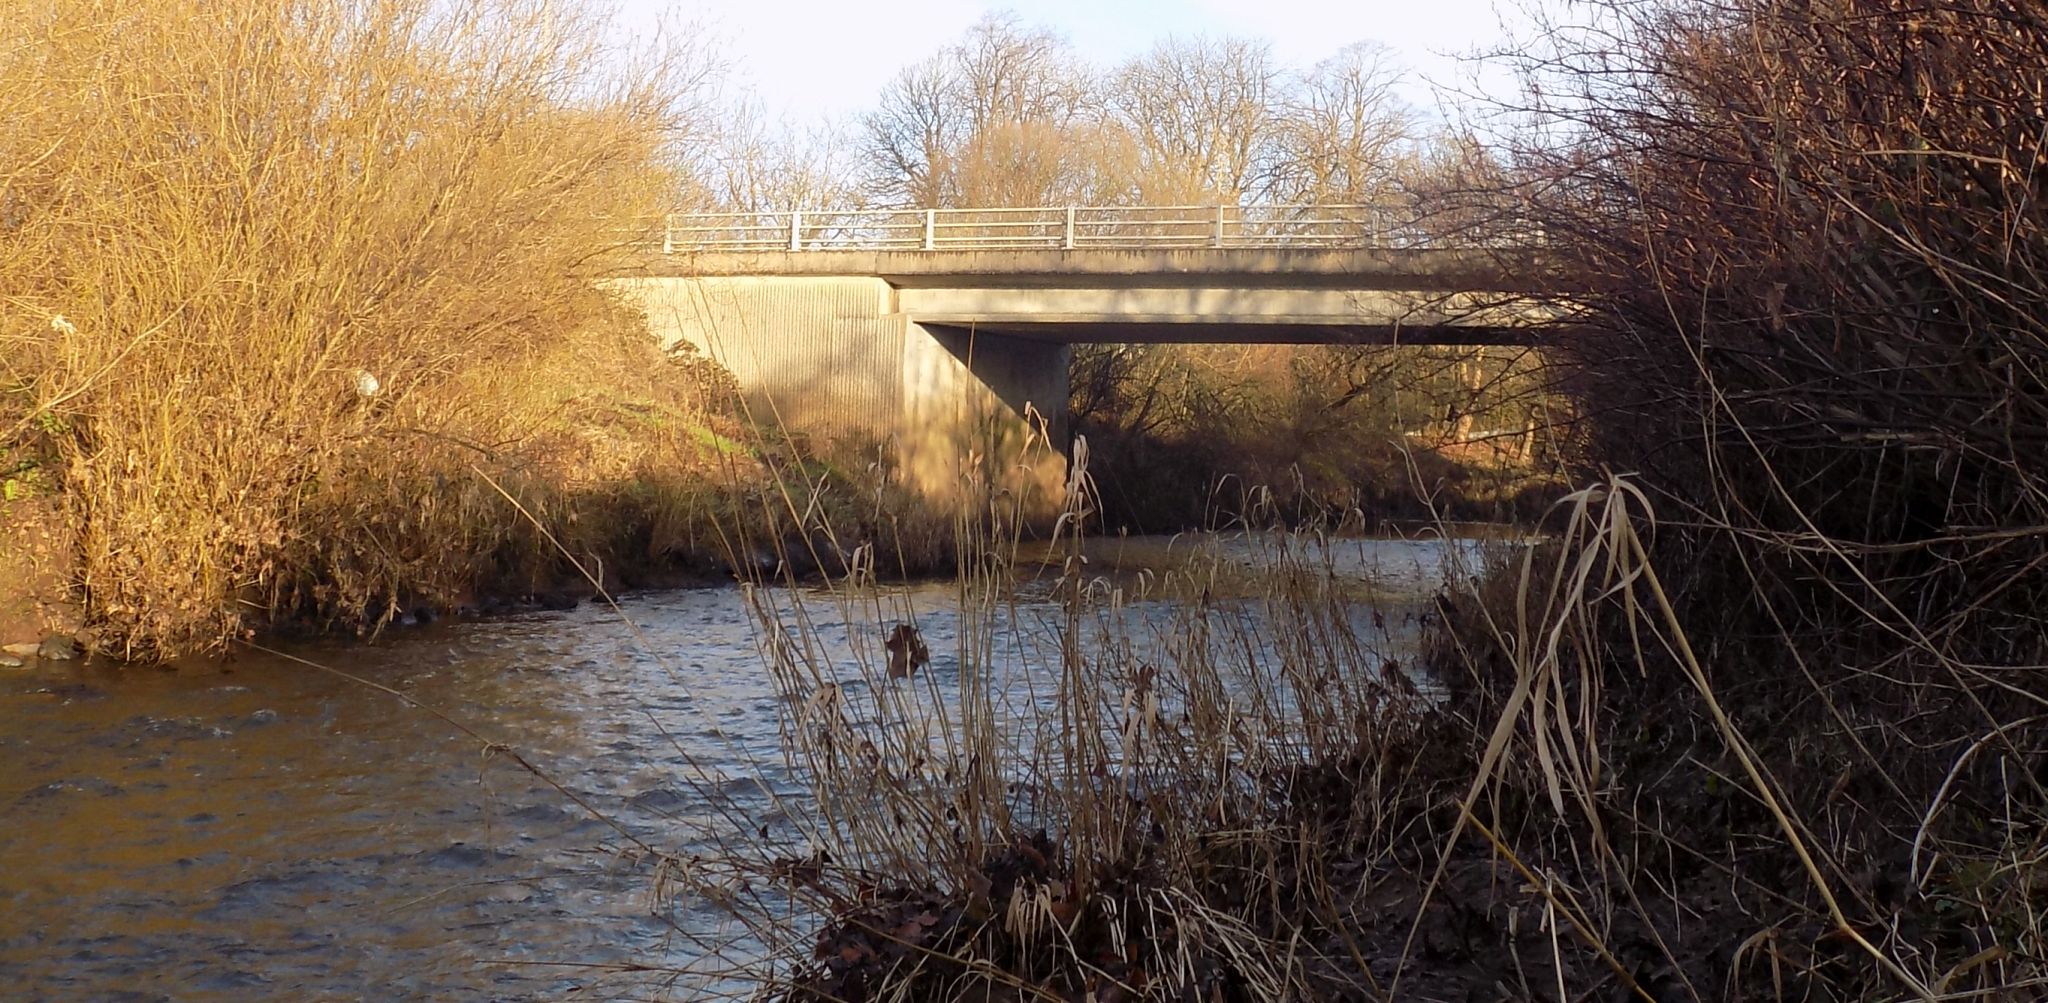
(1009, 115)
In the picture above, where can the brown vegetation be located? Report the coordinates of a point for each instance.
(1787, 744)
(1154, 809)
(35, 574)
(289, 290)
(1190, 435)
(1762, 721)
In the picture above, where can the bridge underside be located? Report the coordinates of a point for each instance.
(1123, 332)
(1253, 315)
(961, 370)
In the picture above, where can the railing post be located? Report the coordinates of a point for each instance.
(668, 234)
(931, 229)
(1068, 241)
(1218, 242)
(796, 229)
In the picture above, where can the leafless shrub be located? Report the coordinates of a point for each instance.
(1790, 739)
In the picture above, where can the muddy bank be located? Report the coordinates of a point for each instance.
(39, 614)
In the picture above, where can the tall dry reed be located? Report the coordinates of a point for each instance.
(1137, 787)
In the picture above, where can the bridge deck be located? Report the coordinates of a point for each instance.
(1290, 274)
(1416, 269)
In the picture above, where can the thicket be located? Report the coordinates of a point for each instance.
(300, 305)
(1205, 436)
(1774, 730)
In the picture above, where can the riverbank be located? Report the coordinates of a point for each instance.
(714, 515)
(354, 356)
(1764, 721)
(39, 611)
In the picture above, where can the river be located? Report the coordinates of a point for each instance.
(255, 829)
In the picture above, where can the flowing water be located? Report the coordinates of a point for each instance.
(254, 829)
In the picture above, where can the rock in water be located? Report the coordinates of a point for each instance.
(10, 662)
(57, 648)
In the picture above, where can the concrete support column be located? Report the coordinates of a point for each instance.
(985, 418)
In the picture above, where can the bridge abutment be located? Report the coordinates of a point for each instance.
(946, 354)
(969, 415)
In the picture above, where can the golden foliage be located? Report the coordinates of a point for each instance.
(282, 270)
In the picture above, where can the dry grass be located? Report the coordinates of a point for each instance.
(1784, 742)
(215, 220)
(1174, 789)
(1704, 830)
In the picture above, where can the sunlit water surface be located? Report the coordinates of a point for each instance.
(257, 830)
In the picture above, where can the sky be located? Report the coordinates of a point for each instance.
(809, 60)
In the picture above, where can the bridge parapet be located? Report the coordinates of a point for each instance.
(1445, 269)
(1061, 227)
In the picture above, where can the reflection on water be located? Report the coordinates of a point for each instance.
(258, 830)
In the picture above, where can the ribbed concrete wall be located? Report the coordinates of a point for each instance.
(821, 355)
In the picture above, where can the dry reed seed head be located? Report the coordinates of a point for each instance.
(1139, 826)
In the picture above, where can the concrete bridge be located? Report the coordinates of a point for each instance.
(940, 330)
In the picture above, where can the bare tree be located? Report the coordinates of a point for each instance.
(1343, 133)
(1008, 116)
(1201, 112)
(1009, 73)
(1039, 163)
(911, 134)
(759, 165)
(1006, 93)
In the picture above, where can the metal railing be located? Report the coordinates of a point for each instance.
(1057, 227)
